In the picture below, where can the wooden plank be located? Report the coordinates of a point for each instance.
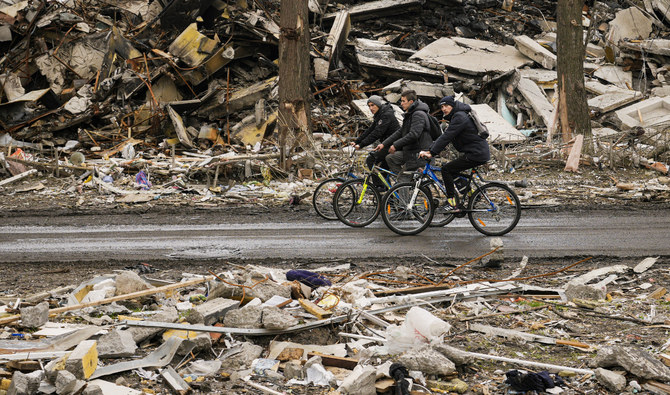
(331, 360)
(572, 163)
(337, 37)
(312, 308)
(18, 177)
(375, 9)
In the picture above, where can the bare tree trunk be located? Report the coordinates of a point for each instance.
(294, 76)
(573, 110)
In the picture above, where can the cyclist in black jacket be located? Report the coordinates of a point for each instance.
(462, 133)
(384, 123)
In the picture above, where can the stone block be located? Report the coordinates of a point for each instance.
(611, 380)
(360, 382)
(243, 356)
(25, 384)
(83, 361)
(129, 282)
(275, 318)
(65, 382)
(293, 370)
(246, 317)
(35, 316)
(201, 342)
(634, 360)
(141, 334)
(116, 344)
(584, 291)
(428, 361)
(214, 310)
(92, 389)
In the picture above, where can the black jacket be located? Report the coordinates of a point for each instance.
(462, 133)
(384, 123)
(413, 136)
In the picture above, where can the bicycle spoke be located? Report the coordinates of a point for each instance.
(494, 210)
(406, 210)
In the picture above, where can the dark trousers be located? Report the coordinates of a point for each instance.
(451, 169)
(377, 157)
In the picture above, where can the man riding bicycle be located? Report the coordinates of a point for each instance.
(384, 123)
(462, 133)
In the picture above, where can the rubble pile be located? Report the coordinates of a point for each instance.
(137, 95)
(448, 328)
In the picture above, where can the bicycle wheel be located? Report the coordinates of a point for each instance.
(494, 209)
(404, 216)
(356, 203)
(440, 217)
(322, 199)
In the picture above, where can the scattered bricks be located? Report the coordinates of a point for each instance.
(612, 380)
(83, 361)
(32, 317)
(129, 282)
(275, 318)
(246, 317)
(293, 370)
(428, 361)
(360, 382)
(584, 291)
(214, 310)
(25, 384)
(116, 344)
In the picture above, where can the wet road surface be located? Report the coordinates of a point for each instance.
(617, 233)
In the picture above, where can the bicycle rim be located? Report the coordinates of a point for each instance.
(440, 217)
(494, 209)
(322, 199)
(402, 217)
(356, 203)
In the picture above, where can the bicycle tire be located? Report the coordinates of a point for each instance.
(440, 217)
(494, 209)
(401, 218)
(357, 203)
(322, 199)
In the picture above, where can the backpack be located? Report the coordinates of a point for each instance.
(434, 128)
(482, 130)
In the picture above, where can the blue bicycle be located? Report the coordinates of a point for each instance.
(492, 208)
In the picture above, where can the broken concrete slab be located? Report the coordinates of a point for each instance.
(128, 282)
(645, 264)
(83, 361)
(584, 291)
(157, 359)
(636, 361)
(275, 318)
(423, 89)
(25, 383)
(141, 334)
(241, 356)
(629, 24)
(611, 380)
(655, 46)
(537, 99)
(615, 75)
(455, 355)
(360, 381)
(535, 51)
(67, 383)
(116, 344)
(376, 9)
(214, 310)
(500, 131)
(35, 316)
(647, 113)
(428, 361)
(108, 388)
(470, 56)
(334, 45)
(377, 57)
(246, 317)
(611, 101)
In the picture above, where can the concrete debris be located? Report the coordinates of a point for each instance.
(635, 360)
(36, 316)
(428, 360)
(116, 344)
(611, 380)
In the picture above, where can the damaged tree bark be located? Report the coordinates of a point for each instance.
(573, 110)
(294, 68)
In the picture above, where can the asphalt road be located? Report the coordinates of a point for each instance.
(616, 233)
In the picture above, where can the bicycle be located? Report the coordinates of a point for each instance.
(322, 199)
(493, 208)
(357, 202)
